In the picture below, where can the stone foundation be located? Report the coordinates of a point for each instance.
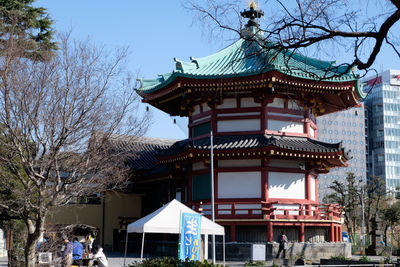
(309, 251)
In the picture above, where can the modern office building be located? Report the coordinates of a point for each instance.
(348, 127)
(383, 113)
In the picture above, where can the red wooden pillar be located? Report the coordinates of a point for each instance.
(316, 188)
(331, 233)
(308, 193)
(264, 186)
(301, 232)
(233, 233)
(270, 233)
(264, 121)
(336, 233)
(340, 233)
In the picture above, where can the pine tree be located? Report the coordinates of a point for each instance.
(27, 28)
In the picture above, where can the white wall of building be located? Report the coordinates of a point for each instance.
(286, 185)
(248, 102)
(239, 163)
(3, 251)
(239, 125)
(277, 103)
(239, 184)
(313, 193)
(228, 103)
(286, 126)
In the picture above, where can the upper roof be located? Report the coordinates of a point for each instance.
(251, 56)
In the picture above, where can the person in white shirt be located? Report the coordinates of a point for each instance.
(100, 256)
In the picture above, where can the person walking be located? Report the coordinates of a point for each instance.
(77, 252)
(282, 240)
(67, 254)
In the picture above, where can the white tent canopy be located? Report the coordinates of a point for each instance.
(167, 220)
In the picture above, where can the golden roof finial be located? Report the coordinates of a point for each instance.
(252, 5)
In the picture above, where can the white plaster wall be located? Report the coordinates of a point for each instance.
(196, 110)
(239, 163)
(277, 103)
(313, 193)
(239, 184)
(285, 163)
(293, 104)
(3, 251)
(312, 131)
(198, 166)
(293, 209)
(248, 102)
(286, 126)
(286, 185)
(206, 107)
(239, 125)
(228, 103)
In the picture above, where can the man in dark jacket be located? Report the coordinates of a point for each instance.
(282, 240)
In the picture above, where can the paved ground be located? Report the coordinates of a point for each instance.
(3, 261)
(117, 260)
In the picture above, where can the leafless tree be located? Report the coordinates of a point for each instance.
(58, 121)
(355, 30)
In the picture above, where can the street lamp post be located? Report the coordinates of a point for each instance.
(212, 191)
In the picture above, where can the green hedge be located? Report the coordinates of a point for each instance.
(172, 262)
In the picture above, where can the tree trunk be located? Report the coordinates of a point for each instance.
(385, 234)
(34, 232)
(30, 255)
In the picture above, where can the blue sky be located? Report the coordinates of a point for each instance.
(156, 31)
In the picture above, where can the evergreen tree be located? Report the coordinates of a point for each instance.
(26, 27)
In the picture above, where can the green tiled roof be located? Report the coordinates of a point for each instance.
(245, 58)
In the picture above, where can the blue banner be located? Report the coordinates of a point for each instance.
(190, 239)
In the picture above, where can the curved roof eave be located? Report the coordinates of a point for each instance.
(235, 63)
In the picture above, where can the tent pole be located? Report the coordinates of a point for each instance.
(126, 245)
(141, 252)
(223, 249)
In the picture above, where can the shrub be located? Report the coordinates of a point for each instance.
(340, 258)
(364, 259)
(254, 263)
(172, 262)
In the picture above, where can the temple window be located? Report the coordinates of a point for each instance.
(201, 129)
(201, 186)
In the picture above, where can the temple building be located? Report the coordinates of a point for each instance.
(257, 105)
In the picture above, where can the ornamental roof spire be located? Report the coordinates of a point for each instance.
(252, 14)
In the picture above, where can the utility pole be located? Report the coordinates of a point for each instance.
(212, 191)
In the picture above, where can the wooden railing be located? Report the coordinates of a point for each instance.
(269, 210)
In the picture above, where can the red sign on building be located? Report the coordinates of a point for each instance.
(375, 81)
